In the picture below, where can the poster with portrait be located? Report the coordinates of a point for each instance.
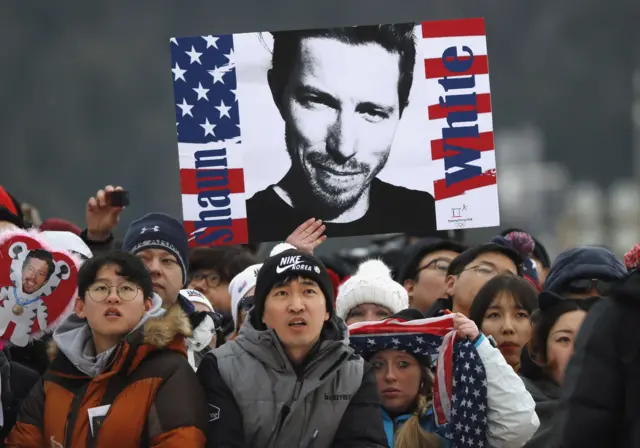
(38, 286)
(374, 129)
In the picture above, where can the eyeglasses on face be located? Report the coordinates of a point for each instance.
(212, 280)
(99, 291)
(437, 265)
(584, 285)
(485, 270)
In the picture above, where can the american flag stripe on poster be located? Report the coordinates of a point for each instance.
(461, 127)
(209, 144)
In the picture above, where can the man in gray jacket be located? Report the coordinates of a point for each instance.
(290, 378)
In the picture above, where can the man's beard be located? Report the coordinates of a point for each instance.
(29, 290)
(323, 203)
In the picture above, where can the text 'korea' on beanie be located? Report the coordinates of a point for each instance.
(290, 263)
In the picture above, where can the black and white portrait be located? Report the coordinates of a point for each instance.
(341, 94)
(361, 127)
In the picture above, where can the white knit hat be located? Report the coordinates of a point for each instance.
(240, 285)
(68, 241)
(246, 280)
(196, 297)
(372, 283)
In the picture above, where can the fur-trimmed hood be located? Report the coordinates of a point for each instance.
(159, 328)
(160, 332)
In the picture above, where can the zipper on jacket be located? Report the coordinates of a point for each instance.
(286, 409)
(297, 389)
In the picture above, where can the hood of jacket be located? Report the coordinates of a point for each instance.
(159, 327)
(583, 262)
(267, 348)
(542, 390)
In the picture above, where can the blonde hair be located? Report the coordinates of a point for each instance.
(411, 434)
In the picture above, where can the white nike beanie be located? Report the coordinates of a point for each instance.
(372, 283)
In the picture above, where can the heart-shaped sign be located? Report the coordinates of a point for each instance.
(38, 286)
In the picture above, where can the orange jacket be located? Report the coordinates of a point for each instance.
(160, 403)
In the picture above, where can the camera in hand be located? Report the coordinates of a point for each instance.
(118, 198)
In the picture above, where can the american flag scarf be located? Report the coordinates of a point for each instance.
(460, 382)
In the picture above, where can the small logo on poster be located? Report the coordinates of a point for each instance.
(458, 216)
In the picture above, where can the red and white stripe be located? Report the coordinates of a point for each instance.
(436, 38)
(437, 326)
(191, 209)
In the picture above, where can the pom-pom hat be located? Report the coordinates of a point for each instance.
(372, 283)
(523, 244)
(632, 258)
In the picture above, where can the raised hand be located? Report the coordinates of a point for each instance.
(466, 327)
(308, 235)
(101, 217)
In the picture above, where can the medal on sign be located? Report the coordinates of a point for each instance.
(18, 310)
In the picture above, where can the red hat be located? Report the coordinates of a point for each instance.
(60, 225)
(10, 209)
(335, 282)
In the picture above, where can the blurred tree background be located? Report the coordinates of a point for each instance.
(86, 96)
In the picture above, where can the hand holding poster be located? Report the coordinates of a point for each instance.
(38, 286)
(373, 129)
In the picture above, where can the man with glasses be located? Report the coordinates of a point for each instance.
(121, 373)
(584, 271)
(424, 274)
(469, 271)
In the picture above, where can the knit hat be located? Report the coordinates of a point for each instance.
(66, 241)
(159, 231)
(196, 297)
(239, 286)
(523, 244)
(60, 225)
(539, 251)
(10, 209)
(290, 263)
(372, 283)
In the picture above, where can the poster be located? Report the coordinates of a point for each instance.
(374, 129)
(38, 286)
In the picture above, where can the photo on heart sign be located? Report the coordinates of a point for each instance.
(38, 286)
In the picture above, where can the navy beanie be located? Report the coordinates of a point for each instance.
(159, 231)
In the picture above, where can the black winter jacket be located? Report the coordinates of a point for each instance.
(599, 404)
(17, 381)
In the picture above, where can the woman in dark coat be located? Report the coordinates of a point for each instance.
(555, 328)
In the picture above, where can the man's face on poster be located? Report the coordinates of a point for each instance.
(34, 275)
(341, 108)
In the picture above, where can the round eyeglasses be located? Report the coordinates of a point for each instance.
(99, 291)
(439, 265)
(212, 280)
